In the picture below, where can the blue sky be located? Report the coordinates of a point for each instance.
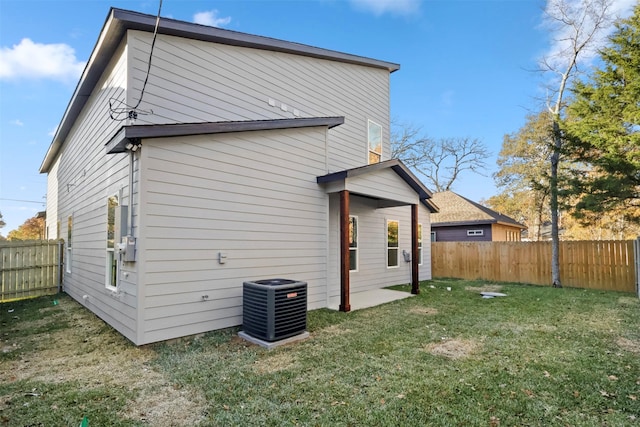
(466, 66)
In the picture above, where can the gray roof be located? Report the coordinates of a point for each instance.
(458, 210)
(119, 21)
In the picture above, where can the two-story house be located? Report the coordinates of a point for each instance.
(191, 159)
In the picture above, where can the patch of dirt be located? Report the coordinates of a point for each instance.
(484, 288)
(274, 363)
(536, 327)
(92, 354)
(453, 349)
(424, 310)
(628, 301)
(632, 346)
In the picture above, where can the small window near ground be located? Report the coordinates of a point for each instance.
(69, 243)
(353, 243)
(419, 244)
(475, 232)
(375, 142)
(112, 261)
(392, 243)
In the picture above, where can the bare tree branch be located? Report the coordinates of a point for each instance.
(440, 162)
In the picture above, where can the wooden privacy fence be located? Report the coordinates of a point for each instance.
(30, 268)
(608, 265)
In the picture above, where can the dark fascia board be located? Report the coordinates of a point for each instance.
(117, 23)
(137, 132)
(476, 222)
(144, 22)
(397, 166)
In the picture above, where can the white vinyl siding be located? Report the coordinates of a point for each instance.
(385, 184)
(194, 81)
(221, 193)
(82, 177)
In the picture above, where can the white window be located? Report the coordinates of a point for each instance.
(419, 244)
(353, 243)
(392, 243)
(433, 236)
(475, 232)
(375, 142)
(112, 261)
(69, 243)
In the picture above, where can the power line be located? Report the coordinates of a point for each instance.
(127, 112)
(23, 201)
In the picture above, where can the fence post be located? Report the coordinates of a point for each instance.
(636, 257)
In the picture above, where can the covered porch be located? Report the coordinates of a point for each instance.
(387, 184)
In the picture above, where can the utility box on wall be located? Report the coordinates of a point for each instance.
(274, 309)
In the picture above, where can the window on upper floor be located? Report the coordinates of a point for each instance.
(375, 142)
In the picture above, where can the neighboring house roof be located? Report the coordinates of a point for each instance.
(119, 21)
(458, 210)
(394, 164)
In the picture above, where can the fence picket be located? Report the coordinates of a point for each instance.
(609, 265)
(29, 269)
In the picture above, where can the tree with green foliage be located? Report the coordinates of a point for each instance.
(2, 224)
(577, 26)
(523, 176)
(603, 129)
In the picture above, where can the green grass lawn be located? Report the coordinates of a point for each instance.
(538, 357)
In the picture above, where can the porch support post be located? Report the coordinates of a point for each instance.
(415, 259)
(344, 251)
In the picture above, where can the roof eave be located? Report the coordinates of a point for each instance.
(118, 21)
(117, 144)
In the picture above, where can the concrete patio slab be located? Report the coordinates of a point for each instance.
(366, 299)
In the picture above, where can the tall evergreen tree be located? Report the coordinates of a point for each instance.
(603, 129)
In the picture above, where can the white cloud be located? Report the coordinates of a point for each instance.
(53, 131)
(561, 35)
(379, 7)
(17, 122)
(211, 19)
(40, 61)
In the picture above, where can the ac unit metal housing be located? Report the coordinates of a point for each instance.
(274, 309)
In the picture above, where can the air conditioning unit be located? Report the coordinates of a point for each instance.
(274, 309)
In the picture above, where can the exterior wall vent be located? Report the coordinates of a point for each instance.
(274, 309)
